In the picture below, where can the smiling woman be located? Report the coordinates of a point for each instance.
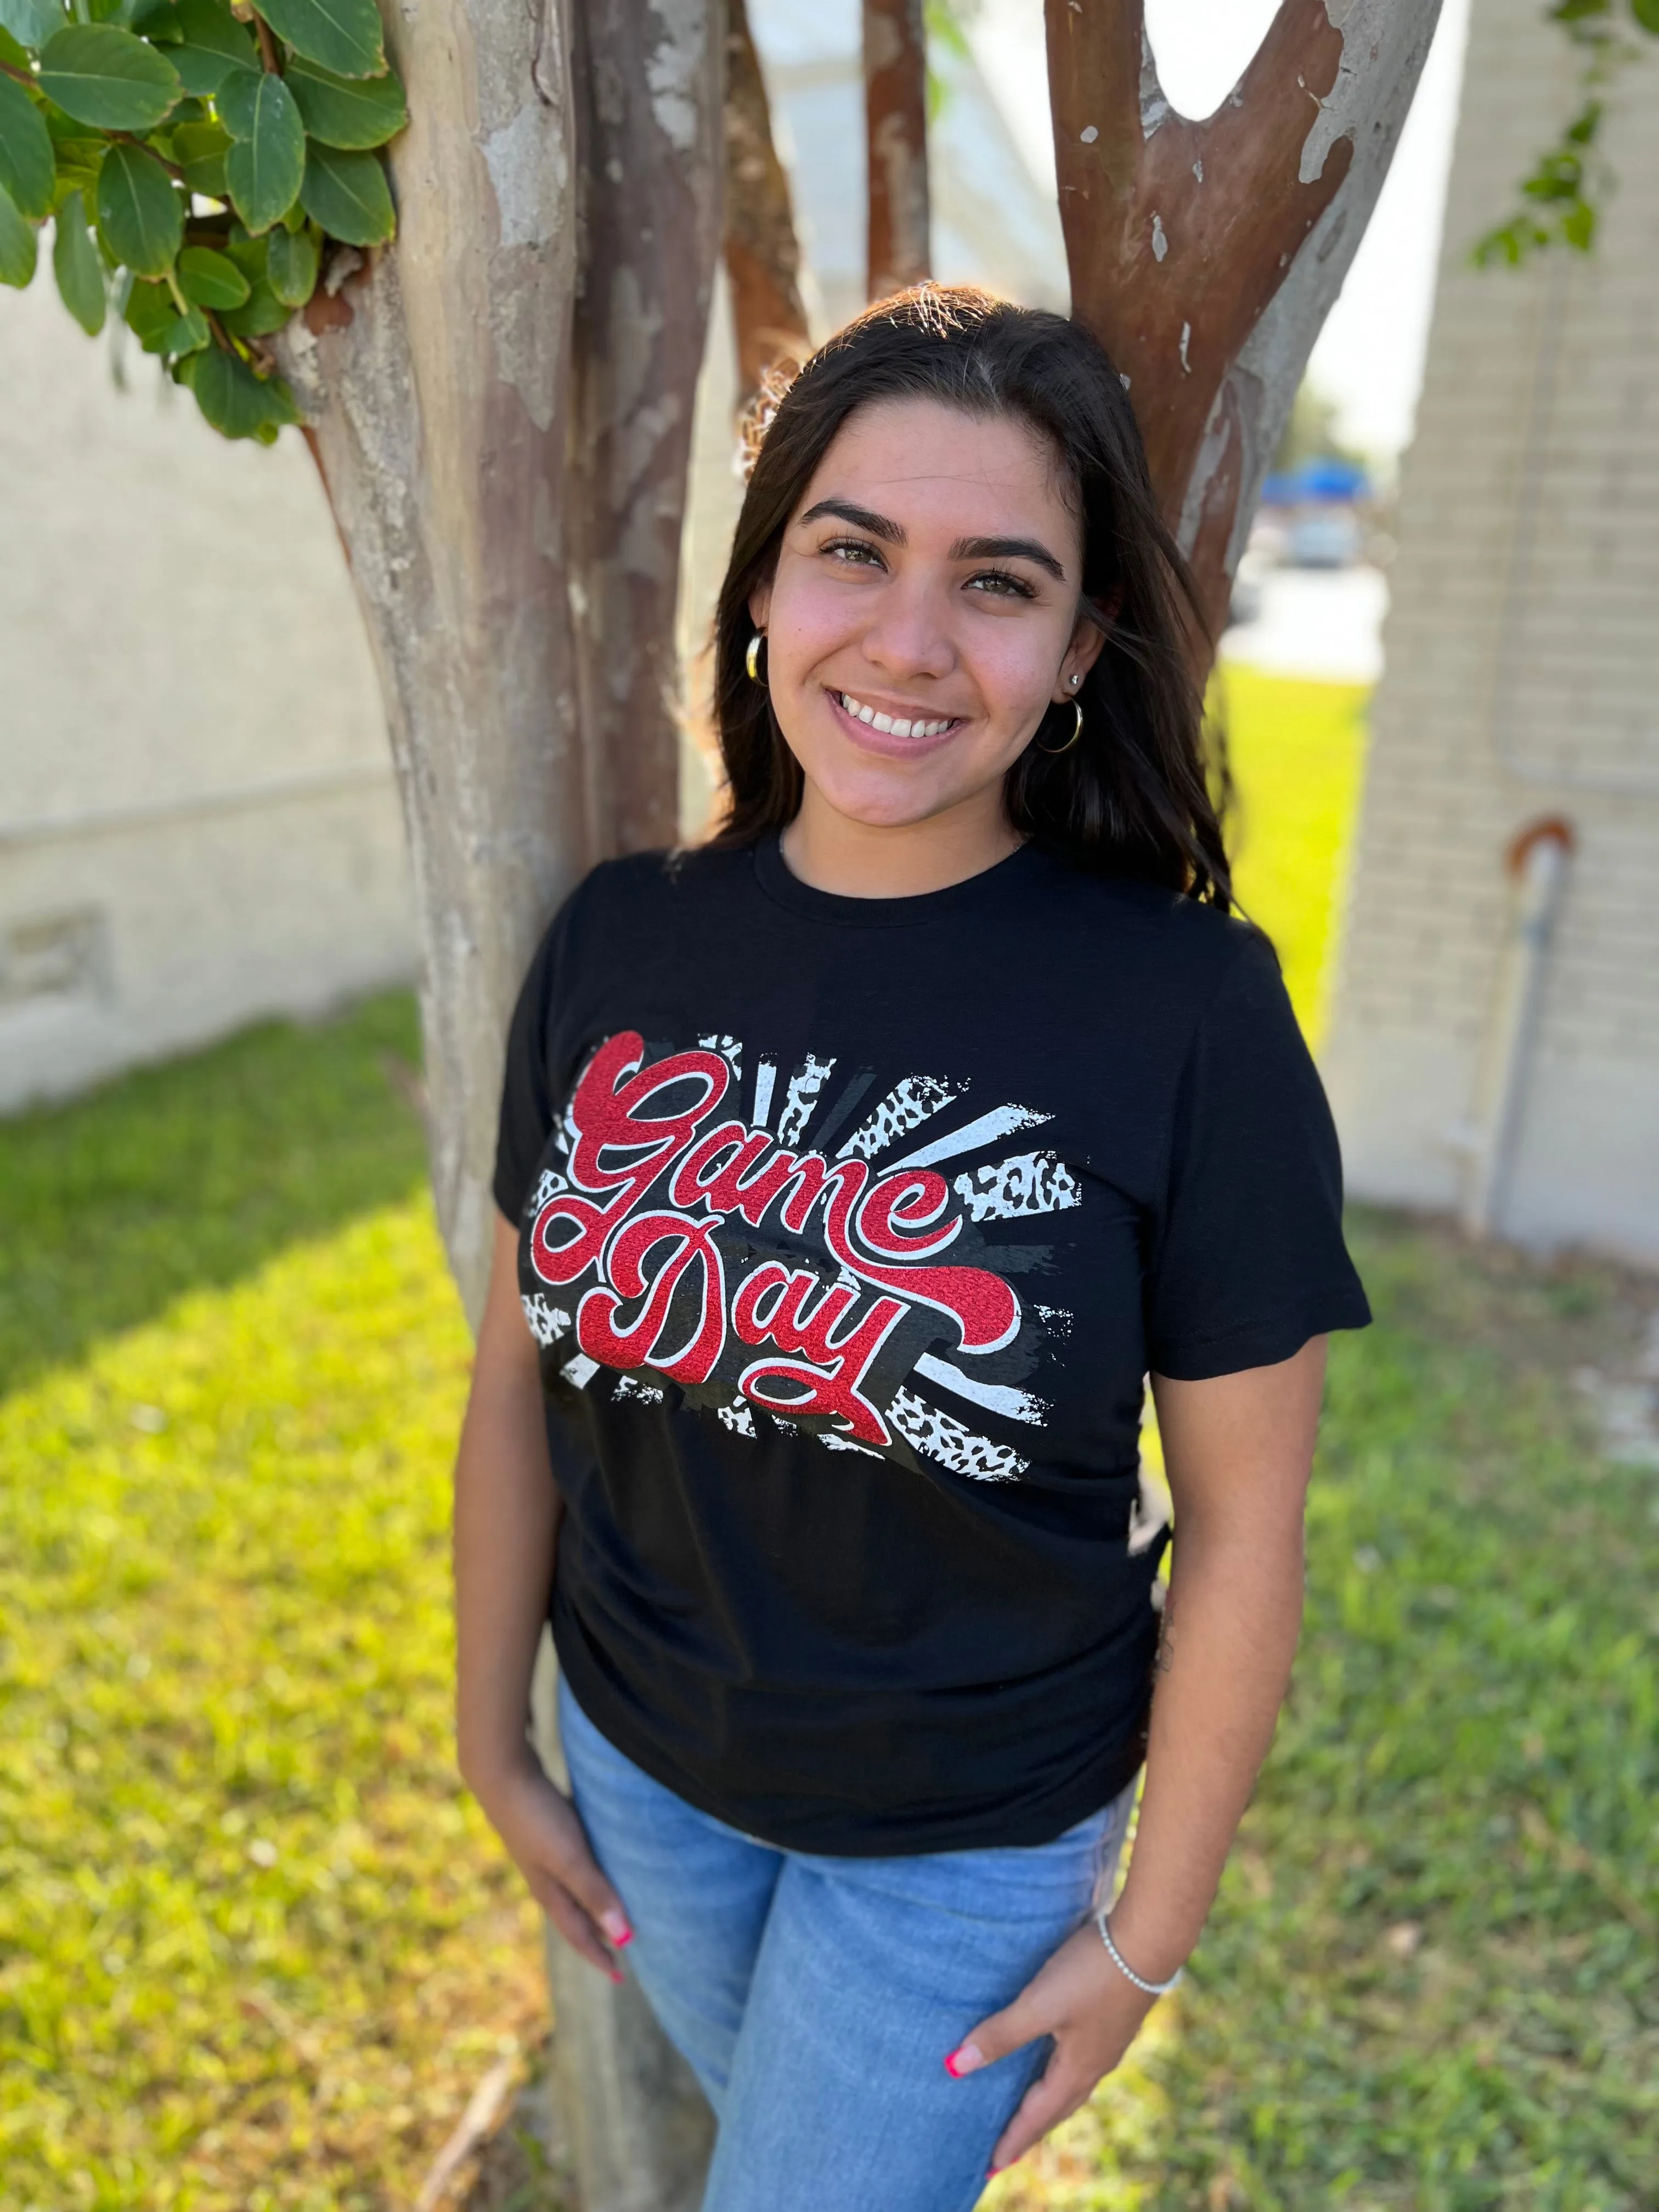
(953, 516)
(853, 1171)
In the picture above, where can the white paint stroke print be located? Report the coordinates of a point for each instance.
(805, 1086)
(547, 1322)
(579, 1370)
(1026, 1182)
(906, 1106)
(996, 1397)
(1000, 1121)
(765, 1076)
(942, 1437)
(729, 1047)
(737, 1417)
(647, 1394)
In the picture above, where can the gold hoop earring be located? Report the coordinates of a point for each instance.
(1077, 732)
(751, 659)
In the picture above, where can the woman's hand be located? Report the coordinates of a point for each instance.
(540, 1825)
(1092, 2013)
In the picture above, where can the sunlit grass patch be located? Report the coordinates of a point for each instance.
(1428, 1983)
(257, 1946)
(1297, 751)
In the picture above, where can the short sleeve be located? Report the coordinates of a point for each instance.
(526, 1117)
(1247, 1259)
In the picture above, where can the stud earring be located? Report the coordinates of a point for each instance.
(751, 659)
(1076, 680)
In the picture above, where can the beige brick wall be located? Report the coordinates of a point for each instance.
(197, 820)
(1523, 680)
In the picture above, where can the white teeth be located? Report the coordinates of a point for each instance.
(891, 725)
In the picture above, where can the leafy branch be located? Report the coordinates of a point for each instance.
(196, 160)
(1563, 197)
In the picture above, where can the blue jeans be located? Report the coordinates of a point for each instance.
(816, 1998)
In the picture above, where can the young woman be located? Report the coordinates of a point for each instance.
(855, 1170)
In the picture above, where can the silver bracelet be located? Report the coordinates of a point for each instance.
(1152, 1989)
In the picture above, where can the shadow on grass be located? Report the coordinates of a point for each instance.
(194, 1173)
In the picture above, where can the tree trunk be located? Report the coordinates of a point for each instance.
(1207, 255)
(501, 411)
(438, 394)
(648, 79)
(762, 258)
(896, 119)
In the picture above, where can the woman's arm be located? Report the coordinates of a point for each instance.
(1238, 1449)
(507, 1523)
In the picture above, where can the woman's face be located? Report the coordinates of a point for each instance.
(924, 611)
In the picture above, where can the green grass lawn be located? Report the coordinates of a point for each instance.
(256, 1949)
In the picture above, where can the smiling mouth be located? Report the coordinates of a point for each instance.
(894, 726)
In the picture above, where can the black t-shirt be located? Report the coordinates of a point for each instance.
(849, 1228)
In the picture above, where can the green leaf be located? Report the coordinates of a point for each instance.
(185, 333)
(31, 23)
(76, 265)
(261, 313)
(11, 53)
(355, 114)
(266, 166)
(29, 171)
(213, 45)
(236, 402)
(141, 216)
(155, 19)
(103, 76)
(347, 195)
(291, 262)
(201, 149)
(210, 279)
(1646, 12)
(19, 247)
(248, 253)
(151, 310)
(343, 35)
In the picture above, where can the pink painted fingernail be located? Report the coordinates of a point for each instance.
(616, 1926)
(968, 2060)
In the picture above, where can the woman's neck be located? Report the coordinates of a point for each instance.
(830, 852)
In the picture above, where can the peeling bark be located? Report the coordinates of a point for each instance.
(763, 257)
(1206, 255)
(648, 74)
(502, 409)
(439, 417)
(896, 120)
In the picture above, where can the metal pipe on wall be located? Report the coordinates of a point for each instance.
(1538, 861)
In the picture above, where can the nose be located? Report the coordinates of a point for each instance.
(909, 634)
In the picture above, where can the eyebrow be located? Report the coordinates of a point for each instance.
(1008, 549)
(965, 548)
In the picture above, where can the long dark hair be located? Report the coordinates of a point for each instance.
(1132, 796)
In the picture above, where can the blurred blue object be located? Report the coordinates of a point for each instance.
(1324, 479)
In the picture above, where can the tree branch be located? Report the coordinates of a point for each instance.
(1183, 236)
(895, 117)
(762, 258)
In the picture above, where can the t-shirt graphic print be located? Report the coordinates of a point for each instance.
(781, 1243)
(847, 1230)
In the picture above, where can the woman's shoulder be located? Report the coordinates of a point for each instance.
(1179, 941)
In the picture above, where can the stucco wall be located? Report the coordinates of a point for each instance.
(198, 822)
(1521, 681)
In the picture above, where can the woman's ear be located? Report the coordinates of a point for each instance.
(760, 604)
(1081, 654)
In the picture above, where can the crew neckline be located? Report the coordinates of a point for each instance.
(785, 889)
